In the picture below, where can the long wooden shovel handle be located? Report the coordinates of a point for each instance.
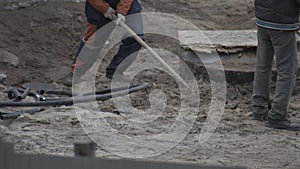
(153, 53)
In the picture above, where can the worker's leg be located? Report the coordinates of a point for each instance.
(94, 39)
(264, 61)
(129, 48)
(92, 48)
(89, 50)
(285, 47)
(91, 44)
(88, 37)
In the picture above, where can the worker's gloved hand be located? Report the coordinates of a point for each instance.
(121, 18)
(110, 14)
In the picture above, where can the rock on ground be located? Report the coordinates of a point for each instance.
(2, 77)
(9, 58)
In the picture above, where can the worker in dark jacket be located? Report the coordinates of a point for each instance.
(99, 13)
(277, 22)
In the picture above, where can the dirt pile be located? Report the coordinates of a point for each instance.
(44, 34)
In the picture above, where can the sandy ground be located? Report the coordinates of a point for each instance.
(43, 36)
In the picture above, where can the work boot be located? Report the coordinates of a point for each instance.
(117, 76)
(111, 72)
(283, 124)
(76, 65)
(260, 114)
(68, 79)
(260, 117)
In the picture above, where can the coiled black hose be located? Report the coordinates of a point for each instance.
(17, 94)
(81, 99)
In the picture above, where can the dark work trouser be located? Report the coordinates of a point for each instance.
(282, 44)
(89, 51)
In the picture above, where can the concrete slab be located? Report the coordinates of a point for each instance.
(222, 41)
(226, 41)
(236, 50)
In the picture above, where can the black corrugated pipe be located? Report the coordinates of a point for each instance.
(81, 99)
